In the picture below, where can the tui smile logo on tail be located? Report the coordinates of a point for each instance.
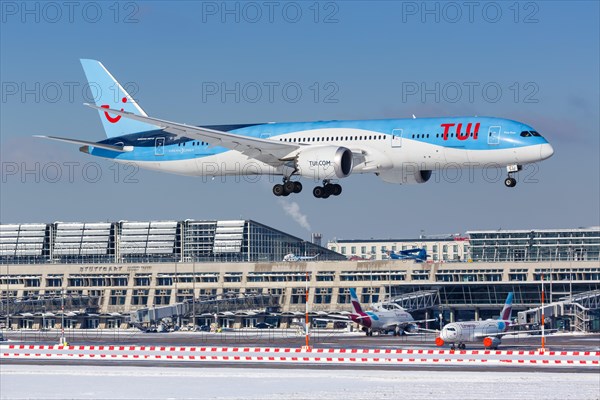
(113, 120)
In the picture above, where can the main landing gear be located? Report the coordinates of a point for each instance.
(511, 169)
(321, 192)
(461, 346)
(328, 189)
(288, 187)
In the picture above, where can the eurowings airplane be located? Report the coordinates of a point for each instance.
(419, 255)
(293, 258)
(401, 151)
(490, 331)
(384, 317)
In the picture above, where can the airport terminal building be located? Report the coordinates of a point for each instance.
(101, 272)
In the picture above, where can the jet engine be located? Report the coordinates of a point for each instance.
(407, 175)
(325, 162)
(491, 342)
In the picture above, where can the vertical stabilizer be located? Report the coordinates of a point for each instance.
(355, 303)
(108, 93)
(507, 310)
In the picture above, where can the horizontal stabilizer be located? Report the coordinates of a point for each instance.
(110, 147)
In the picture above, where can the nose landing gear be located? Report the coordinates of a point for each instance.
(510, 182)
(511, 169)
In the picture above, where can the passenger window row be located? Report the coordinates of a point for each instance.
(194, 143)
(331, 138)
(437, 135)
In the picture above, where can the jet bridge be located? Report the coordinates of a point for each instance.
(578, 309)
(415, 301)
(199, 307)
(49, 304)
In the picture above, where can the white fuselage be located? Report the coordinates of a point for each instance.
(472, 331)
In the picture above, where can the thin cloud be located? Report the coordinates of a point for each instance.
(293, 210)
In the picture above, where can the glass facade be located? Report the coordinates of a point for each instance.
(535, 245)
(151, 241)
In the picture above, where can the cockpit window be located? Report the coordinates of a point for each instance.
(526, 134)
(534, 133)
(452, 329)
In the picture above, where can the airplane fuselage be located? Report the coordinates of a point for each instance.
(472, 331)
(383, 319)
(401, 151)
(395, 149)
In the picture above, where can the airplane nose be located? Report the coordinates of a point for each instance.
(546, 151)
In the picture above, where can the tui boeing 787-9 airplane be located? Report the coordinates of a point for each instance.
(401, 151)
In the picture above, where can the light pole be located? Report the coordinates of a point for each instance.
(63, 341)
(307, 324)
(194, 295)
(7, 299)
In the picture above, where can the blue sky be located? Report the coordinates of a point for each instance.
(350, 60)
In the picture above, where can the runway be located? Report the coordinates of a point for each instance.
(292, 338)
(264, 348)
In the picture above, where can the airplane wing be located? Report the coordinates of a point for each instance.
(482, 336)
(403, 325)
(420, 321)
(334, 319)
(110, 147)
(271, 152)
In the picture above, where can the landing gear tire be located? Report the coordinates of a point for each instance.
(510, 182)
(462, 346)
(278, 190)
(336, 189)
(289, 187)
(453, 347)
(328, 189)
(297, 187)
(318, 192)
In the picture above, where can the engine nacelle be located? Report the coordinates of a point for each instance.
(411, 328)
(491, 342)
(407, 175)
(325, 162)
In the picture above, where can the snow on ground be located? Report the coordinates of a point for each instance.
(113, 382)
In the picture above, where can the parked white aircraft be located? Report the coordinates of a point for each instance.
(490, 331)
(382, 318)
